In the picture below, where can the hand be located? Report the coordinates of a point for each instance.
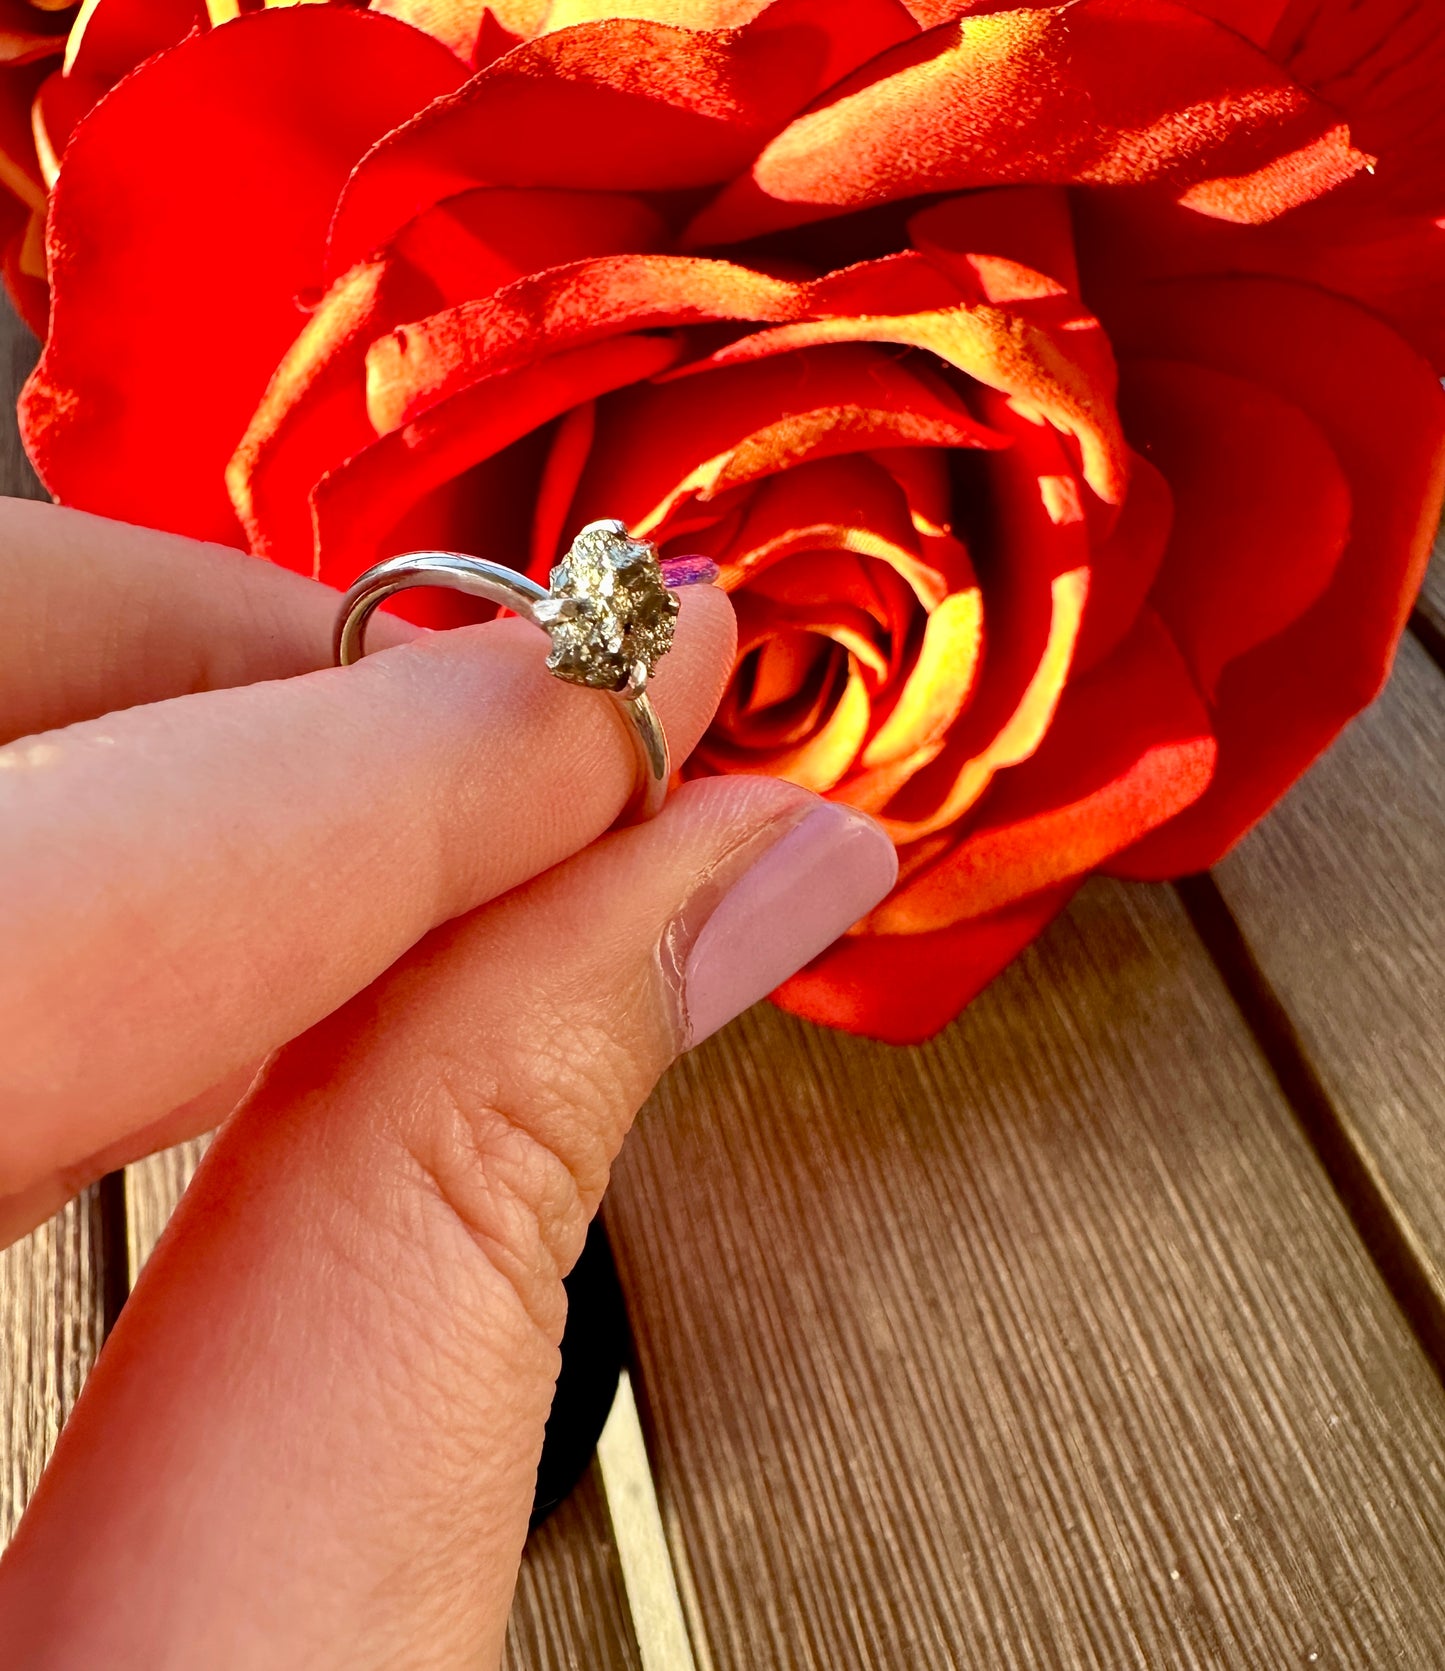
(234, 879)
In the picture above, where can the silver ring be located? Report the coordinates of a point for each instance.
(609, 612)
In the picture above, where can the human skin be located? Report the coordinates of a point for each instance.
(378, 911)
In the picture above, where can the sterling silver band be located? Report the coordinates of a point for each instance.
(481, 579)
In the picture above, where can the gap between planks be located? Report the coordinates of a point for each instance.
(1329, 923)
(665, 1635)
(1403, 1259)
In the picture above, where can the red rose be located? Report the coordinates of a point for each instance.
(54, 65)
(1051, 384)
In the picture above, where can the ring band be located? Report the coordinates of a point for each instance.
(609, 613)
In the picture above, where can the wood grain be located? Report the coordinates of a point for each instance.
(1340, 898)
(570, 1612)
(1044, 1345)
(153, 1188)
(18, 353)
(51, 1323)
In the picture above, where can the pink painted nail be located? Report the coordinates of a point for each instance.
(792, 901)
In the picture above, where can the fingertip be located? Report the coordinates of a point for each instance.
(689, 681)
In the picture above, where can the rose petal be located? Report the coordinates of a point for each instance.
(778, 698)
(455, 23)
(1139, 91)
(28, 34)
(1003, 241)
(809, 594)
(620, 104)
(19, 170)
(903, 987)
(60, 102)
(423, 362)
(914, 799)
(1036, 583)
(474, 244)
(786, 662)
(314, 412)
(566, 460)
(1060, 375)
(1383, 64)
(938, 685)
(467, 249)
(1124, 563)
(176, 261)
(830, 542)
(1350, 241)
(682, 14)
(1050, 367)
(1256, 20)
(822, 759)
(1383, 415)
(851, 504)
(924, 478)
(1261, 508)
(660, 447)
(520, 18)
(1129, 747)
(359, 505)
(111, 37)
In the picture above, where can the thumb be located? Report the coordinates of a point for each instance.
(313, 1437)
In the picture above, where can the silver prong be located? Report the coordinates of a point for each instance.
(636, 682)
(556, 609)
(607, 525)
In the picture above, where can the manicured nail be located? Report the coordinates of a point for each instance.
(791, 902)
(688, 571)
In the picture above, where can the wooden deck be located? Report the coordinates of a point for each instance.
(1107, 1330)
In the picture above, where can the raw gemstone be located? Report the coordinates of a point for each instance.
(609, 613)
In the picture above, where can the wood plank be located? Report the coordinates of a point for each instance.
(1046, 1344)
(51, 1325)
(153, 1188)
(18, 353)
(571, 1609)
(1340, 899)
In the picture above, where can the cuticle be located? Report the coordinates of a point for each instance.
(682, 932)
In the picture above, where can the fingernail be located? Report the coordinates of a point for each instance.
(791, 901)
(688, 571)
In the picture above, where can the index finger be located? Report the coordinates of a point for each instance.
(97, 615)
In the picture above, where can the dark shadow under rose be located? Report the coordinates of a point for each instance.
(1049, 384)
